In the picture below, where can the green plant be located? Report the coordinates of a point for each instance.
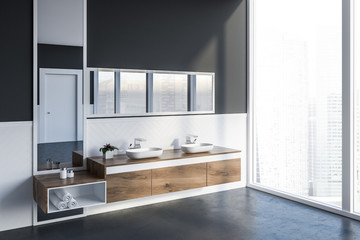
(107, 147)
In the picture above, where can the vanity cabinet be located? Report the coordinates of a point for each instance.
(129, 185)
(173, 171)
(173, 179)
(224, 171)
(121, 178)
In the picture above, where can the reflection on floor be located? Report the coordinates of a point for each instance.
(57, 152)
(236, 214)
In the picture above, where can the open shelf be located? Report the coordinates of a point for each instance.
(87, 195)
(86, 189)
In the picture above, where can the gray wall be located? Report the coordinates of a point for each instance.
(196, 35)
(16, 104)
(187, 35)
(59, 56)
(16, 60)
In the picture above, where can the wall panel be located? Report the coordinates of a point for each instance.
(16, 48)
(16, 186)
(185, 35)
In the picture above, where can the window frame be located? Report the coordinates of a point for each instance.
(191, 96)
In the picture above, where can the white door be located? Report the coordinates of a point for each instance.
(60, 100)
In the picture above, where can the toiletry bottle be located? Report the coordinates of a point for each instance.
(70, 173)
(63, 174)
(55, 165)
(49, 163)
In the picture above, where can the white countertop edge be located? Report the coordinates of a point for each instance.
(170, 163)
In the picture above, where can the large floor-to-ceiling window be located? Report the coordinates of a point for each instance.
(356, 115)
(297, 97)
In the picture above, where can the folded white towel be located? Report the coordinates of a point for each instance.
(63, 194)
(61, 205)
(72, 203)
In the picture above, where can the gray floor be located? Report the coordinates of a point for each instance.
(236, 214)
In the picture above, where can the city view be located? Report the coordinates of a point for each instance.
(298, 102)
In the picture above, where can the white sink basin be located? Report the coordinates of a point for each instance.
(196, 147)
(140, 153)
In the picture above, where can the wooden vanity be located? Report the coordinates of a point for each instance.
(121, 178)
(173, 171)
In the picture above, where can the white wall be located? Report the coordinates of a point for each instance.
(60, 22)
(16, 175)
(168, 132)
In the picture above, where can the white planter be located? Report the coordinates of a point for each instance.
(108, 155)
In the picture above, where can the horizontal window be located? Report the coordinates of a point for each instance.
(132, 98)
(105, 96)
(204, 92)
(129, 92)
(170, 92)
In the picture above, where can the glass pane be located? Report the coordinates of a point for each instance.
(170, 92)
(106, 92)
(204, 93)
(132, 92)
(357, 106)
(297, 97)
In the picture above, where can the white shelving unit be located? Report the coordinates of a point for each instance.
(88, 190)
(87, 195)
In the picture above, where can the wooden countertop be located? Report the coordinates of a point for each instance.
(53, 180)
(122, 159)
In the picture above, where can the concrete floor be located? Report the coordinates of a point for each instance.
(236, 214)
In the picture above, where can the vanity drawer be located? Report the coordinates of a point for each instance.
(129, 185)
(224, 171)
(173, 179)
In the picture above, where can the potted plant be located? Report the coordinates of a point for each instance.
(108, 151)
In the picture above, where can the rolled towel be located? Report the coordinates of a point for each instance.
(63, 194)
(72, 203)
(61, 205)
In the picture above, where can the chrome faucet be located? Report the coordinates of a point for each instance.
(137, 142)
(190, 137)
